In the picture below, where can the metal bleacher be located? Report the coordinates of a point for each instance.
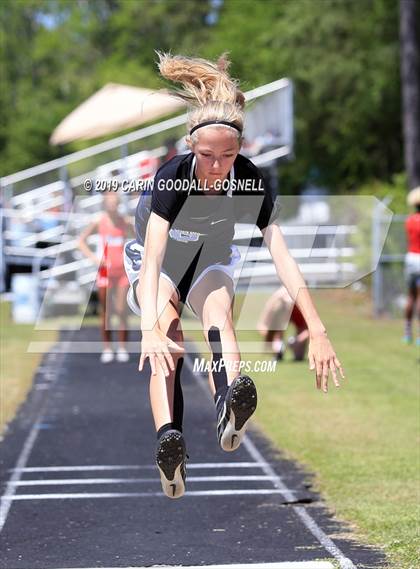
(45, 207)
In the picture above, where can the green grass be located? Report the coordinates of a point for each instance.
(17, 366)
(361, 440)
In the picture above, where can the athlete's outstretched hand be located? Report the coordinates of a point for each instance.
(156, 346)
(323, 360)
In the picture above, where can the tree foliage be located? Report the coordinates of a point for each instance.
(343, 57)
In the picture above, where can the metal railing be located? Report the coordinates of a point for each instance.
(43, 195)
(122, 142)
(388, 282)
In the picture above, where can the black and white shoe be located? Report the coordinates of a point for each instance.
(280, 353)
(232, 416)
(170, 459)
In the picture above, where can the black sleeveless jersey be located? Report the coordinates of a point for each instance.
(199, 221)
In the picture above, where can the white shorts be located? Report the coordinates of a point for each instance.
(412, 269)
(133, 254)
(412, 263)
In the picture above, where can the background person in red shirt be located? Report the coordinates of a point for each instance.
(112, 281)
(278, 312)
(412, 266)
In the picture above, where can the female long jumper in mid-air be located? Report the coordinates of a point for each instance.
(183, 253)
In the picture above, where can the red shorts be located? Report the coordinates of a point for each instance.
(105, 281)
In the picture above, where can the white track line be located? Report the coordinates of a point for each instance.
(71, 481)
(86, 495)
(6, 499)
(9, 494)
(133, 467)
(134, 347)
(307, 520)
(281, 565)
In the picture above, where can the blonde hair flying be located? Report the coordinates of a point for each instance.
(207, 88)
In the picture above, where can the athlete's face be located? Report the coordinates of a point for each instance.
(111, 201)
(215, 151)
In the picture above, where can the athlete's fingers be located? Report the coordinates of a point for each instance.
(311, 361)
(325, 373)
(141, 361)
(168, 358)
(334, 374)
(318, 367)
(170, 361)
(162, 362)
(152, 363)
(339, 366)
(175, 347)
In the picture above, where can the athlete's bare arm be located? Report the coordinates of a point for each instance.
(155, 243)
(91, 229)
(129, 226)
(155, 344)
(276, 301)
(321, 354)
